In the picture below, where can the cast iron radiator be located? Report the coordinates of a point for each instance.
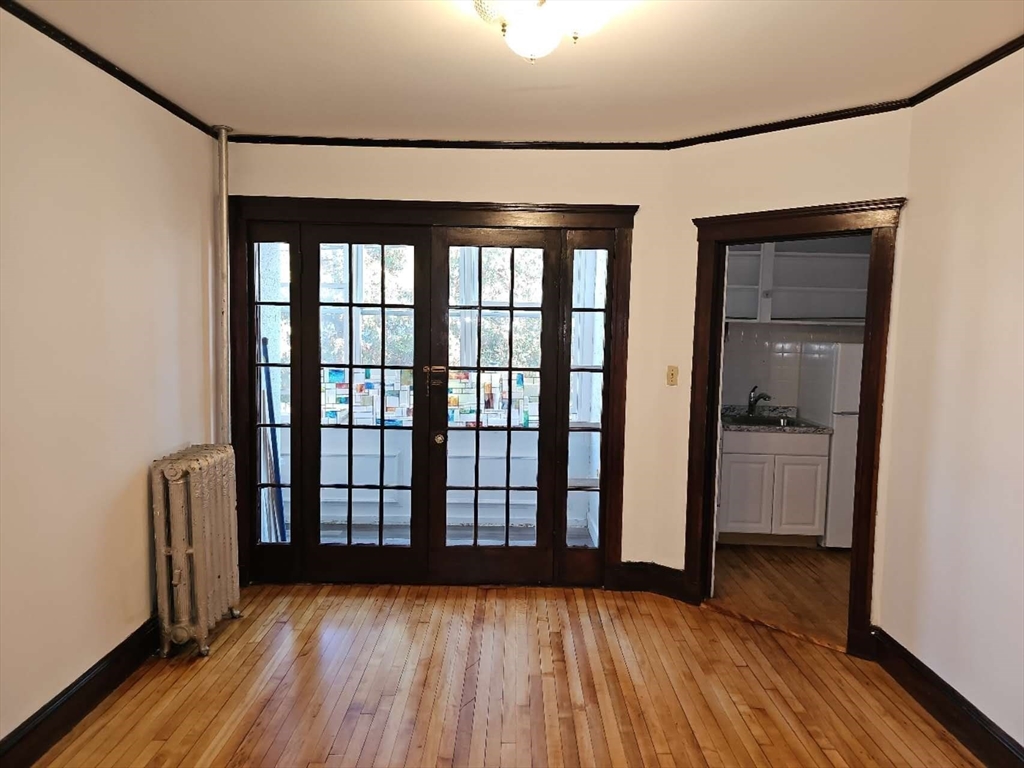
(196, 543)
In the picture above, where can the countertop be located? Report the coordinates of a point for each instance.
(807, 428)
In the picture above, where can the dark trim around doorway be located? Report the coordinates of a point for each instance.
(877, 217)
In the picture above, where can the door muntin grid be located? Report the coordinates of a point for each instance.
(587, 377)
(493, 407)
(367, 340)
(272, 284)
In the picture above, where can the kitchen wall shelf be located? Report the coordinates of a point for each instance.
(799, 282)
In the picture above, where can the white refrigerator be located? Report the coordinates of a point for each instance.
(830, 395)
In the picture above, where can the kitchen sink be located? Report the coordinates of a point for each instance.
(744, 420)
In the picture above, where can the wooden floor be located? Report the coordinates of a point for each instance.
(803, 591)
(424, 676)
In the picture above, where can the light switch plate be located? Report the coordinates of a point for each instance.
(672, 376)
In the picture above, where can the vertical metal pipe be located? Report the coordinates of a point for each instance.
(222, 345)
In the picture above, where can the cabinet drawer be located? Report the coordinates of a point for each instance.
(776, 443)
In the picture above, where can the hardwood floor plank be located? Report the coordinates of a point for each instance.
(635, 723)
(799, 590)
(368, 685)
(364, 606)
(686, 685)
(784, 704)
(318, 646)
(435, 675)
(449, 676)
(307, 618)
(735, 745)
(496, 623)
(560, 666)
(629, 738)
(681, 740)
(591, 707)
(399, 729)
(576, 700)
(162, 702)
(610, 728)
(385, 703)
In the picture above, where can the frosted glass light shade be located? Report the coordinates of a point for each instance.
(533, 28)
(533, 35)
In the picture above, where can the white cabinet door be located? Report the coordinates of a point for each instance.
(747, 481)
(801, 484)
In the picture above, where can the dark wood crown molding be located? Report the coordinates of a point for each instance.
(332, 141)
(40, 24)
(963, 73)
(649, 146)
(58, 36)
(785, 125)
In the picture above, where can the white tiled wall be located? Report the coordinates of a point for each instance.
(768, 355)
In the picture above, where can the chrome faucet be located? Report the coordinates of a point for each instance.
(754, 398)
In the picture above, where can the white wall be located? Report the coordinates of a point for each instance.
(851, 160)
(951, 499)
(106, 207)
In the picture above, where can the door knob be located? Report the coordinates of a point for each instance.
(439, 439)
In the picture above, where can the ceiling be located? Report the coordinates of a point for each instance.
(425, 69)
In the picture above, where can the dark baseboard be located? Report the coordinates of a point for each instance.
(862, 643)
(30, 740)
(651, 577)
(989, 743)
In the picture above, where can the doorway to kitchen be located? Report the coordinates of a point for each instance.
(424, 393)
(788, 370)
(791, 372)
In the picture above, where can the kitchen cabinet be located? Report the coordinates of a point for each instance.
(798, 498)
(747, 486)
(773, 482)
(810, 281)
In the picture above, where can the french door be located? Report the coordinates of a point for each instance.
(493, 404)
(423, 403)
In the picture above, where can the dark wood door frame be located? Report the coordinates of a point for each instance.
(283, 219)
(879, 218)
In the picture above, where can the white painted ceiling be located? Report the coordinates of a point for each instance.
(424, 69)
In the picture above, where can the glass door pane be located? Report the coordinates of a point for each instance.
(496, 303)
(588, 317)
(365, 330)
(367, 341)
(493, 395)
(273, 376)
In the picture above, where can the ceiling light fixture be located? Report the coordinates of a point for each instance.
(534, 28)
